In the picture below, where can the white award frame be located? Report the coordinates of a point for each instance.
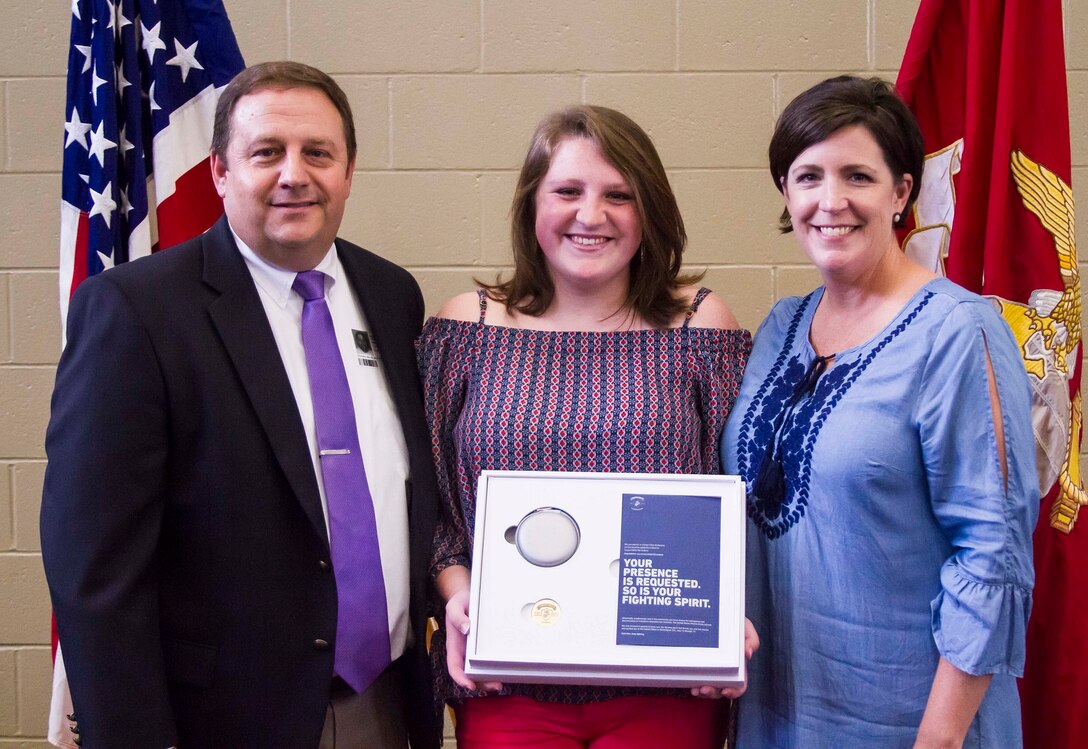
(558, 624)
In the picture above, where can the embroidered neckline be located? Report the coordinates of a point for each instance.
(797, 425)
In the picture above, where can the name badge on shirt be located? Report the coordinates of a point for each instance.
(365, 348)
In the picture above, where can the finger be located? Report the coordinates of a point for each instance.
(706, 692)
(455, 656)
(735, 692)
(751, 639)
(462, 680)
(455, 664)
(457, 620)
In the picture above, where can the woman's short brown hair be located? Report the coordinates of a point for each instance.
(655, 269)
(839, 102)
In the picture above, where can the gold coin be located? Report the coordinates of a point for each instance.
(545, 612)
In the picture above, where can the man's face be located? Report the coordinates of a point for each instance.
(286, 175)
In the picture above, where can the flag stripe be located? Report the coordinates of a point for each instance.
(191, 209)
(184, 143)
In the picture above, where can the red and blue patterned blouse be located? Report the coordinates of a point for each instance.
(501, 398)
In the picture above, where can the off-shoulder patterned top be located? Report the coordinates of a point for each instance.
(502, 398)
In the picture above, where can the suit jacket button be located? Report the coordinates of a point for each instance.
(323, 564)
(321, 644)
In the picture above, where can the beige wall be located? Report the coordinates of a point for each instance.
(446, 94)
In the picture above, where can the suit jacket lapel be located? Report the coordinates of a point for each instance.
(239, 317)
(395, 345)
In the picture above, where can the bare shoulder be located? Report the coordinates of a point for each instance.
(464, 307)
(713, 312)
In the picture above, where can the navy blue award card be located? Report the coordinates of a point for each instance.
(670, 557)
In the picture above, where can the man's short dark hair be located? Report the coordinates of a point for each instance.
(282, 74)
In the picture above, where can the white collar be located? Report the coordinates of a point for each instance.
(276, 281)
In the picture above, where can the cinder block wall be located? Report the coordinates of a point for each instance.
(446, 95)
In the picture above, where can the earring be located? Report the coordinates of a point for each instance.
(896, 217)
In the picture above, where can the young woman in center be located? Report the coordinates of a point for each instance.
(597, 354)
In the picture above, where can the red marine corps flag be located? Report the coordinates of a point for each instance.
(986, 79)
(143, 80)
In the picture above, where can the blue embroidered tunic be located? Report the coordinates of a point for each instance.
(896, 542)
(651, 401)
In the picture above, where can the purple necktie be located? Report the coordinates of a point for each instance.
(362, 620)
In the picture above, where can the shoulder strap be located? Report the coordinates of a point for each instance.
(483, 303)
(700, 295)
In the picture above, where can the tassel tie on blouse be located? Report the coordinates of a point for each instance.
(770, 483)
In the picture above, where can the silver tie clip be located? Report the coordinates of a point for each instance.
(344, 451)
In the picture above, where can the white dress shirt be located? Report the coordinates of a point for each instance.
(381, 438)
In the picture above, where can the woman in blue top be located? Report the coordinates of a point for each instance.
(884, 432)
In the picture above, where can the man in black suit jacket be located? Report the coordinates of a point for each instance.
(183, 521)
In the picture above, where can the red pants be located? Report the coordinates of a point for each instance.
(621, 723)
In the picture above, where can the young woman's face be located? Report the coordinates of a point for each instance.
(587, 223)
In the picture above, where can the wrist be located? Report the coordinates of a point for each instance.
(930, 739)
(451, 581)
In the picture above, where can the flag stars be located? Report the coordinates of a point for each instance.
(126, 146)
(85, 50)
(96, 83)
(126, 206)
(77, 130)
(151, 42)
(122, 19)
(185, 58)
(104, 204)
(100, 143)
(113, 64)
(122, 82)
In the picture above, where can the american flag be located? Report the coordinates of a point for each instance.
(143, 80)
